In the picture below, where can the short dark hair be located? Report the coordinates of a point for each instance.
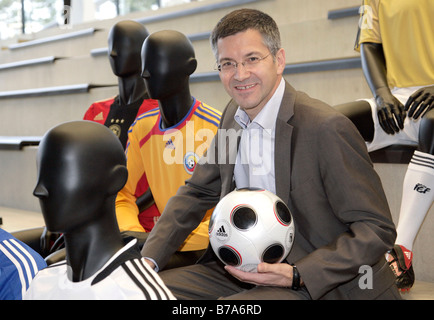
(242, 20)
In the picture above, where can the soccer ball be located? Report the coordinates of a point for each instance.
(250, 226)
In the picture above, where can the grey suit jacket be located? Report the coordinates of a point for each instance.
(324, 174)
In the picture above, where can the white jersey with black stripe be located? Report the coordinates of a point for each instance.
(126, 276)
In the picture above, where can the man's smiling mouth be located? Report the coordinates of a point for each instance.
(245, 87)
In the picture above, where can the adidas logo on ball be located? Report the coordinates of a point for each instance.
(221, 232)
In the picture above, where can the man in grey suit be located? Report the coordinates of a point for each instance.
(312, 157)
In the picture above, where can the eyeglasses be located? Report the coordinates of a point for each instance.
(231, 66)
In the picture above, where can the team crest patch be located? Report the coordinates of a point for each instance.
(190, 161)
(116, 129)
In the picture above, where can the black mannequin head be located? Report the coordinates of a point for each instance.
(168, 60)
(81, 167)
(125, 41)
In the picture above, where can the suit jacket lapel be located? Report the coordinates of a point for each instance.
(283, 141)
(228, 139)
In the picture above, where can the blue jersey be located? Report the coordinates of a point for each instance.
(18, 266)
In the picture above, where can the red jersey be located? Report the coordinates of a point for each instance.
(119, 117)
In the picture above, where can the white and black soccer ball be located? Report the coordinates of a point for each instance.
(250, 226)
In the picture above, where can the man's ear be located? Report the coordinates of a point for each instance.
(281, 61)
(117, 178)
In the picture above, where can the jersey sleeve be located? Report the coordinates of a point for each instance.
(127, 212)
(369, 26)
(90, 113)
(19, 264)
(99, 110)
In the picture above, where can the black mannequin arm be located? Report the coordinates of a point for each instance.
(391, 112)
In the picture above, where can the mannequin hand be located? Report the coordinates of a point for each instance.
(419, 102)
(277, 275)
(391, 114)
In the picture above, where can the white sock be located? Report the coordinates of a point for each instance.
(417, 197)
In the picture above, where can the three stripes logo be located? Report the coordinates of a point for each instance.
(170, 144)
(223, 233)
(99, 117)
(423, 160)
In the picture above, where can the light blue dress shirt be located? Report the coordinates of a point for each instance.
(254, 166)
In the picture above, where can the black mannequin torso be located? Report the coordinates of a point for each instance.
(125, 41)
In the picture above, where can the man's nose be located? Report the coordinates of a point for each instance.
(241, 72)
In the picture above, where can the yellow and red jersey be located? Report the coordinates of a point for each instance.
(162, 159)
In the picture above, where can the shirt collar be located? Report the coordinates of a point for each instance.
(266, 118)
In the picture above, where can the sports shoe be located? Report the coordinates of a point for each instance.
(400, 262)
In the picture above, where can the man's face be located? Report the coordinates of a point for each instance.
(251, 86)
